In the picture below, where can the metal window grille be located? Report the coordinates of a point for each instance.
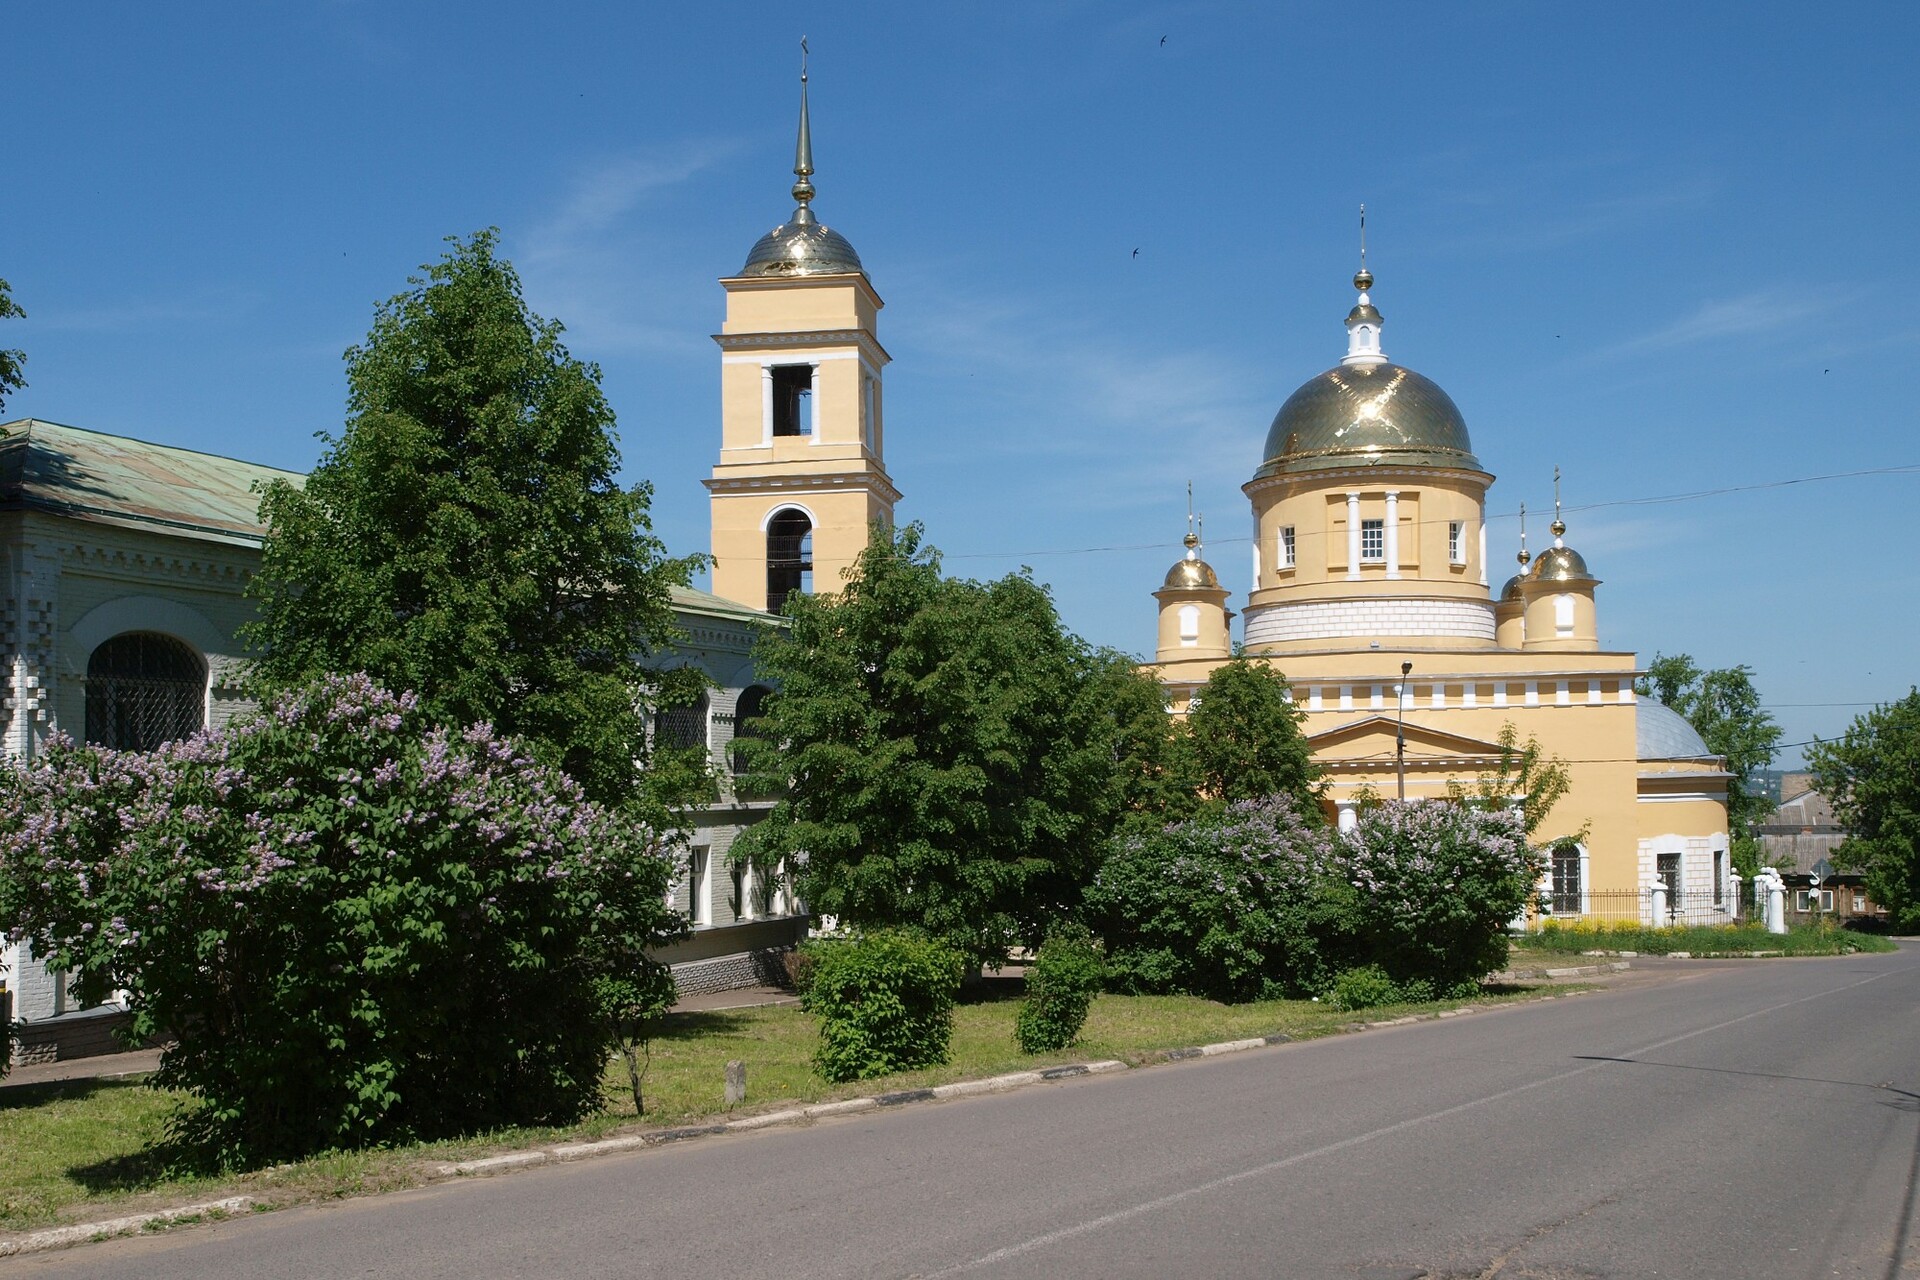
(1373, 540)
(1566, 882)
(789, 557)
(142, 690)
(681, 728)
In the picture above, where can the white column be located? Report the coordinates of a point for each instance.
(766, 404)
(1349, 811)
(1393, 533)
(819, 422)
(1483, 553)
(1658, 893)
(1353, 535)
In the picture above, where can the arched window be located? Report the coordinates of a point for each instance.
(789, 557)
(745, 712)
(144, 689)
(682, 728)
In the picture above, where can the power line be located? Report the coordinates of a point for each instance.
(1696, 495)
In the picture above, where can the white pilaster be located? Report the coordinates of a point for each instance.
(1353, 535)
(1393, 533)
(1483, 553)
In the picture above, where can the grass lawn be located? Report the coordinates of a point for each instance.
(1699, 940)
(84, 1149)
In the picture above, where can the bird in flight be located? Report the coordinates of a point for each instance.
(1163, 39)
(1136, 253)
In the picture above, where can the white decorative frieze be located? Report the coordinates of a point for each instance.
(1349, 619)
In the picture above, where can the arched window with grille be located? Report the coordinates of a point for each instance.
(746, 710)
(789, 556)
(143, 689)
(681, 728)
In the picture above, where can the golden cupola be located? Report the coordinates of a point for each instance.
(1194, 618)
(1557, 595)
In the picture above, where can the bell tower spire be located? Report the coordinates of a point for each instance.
(801, 476)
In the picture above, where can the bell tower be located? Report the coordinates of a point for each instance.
(801, 475)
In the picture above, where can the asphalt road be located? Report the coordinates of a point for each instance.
(1757, 1119)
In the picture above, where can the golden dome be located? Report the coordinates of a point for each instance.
(1560, 564)
(1189, 574)
(802, 246)
(1511, 592)
(1367, 415)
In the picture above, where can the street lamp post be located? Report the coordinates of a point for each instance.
(1400, 736)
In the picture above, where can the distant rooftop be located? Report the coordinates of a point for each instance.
(90, 475)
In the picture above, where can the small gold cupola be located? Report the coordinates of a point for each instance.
(1193, 606)
(1558, 594)
(1510, 610)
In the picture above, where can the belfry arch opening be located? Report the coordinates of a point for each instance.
(789, 557)
(143, 689)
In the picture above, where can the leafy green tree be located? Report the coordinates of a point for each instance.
(1724, 707)
(1246, 739)
(1871, 777)
(11, 378)
(942, 751)
(1156, 779)
(465, 538)
(1524, 770)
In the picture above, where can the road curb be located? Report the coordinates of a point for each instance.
(82, 1233)
(570, 1152)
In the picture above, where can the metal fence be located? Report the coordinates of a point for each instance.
(1637, 906)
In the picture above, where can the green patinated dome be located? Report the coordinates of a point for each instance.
(1377, 414)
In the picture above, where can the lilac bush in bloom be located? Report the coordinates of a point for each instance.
(1226, 905)
(357, 926)
(1435, 885)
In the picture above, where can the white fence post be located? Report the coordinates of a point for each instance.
(1659, 893)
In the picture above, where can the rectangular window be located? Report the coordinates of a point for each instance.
(1286, 547)
(699, 888)
(1373, 541)
(1456, 541)
(1566, 880)
(792, 399)
(1859, 902)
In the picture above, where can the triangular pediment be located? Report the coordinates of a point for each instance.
(1375, 735)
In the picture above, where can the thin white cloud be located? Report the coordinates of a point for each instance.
(1757, 314)
(600, 199)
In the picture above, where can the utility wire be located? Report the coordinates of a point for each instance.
(1656, 500)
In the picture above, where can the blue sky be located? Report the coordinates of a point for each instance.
(1668, 248)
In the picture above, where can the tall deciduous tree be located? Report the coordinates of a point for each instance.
(465, 536)
(1724, 707)
(942, 750)
(1871, 777)
(1246, 740)
(11, 378)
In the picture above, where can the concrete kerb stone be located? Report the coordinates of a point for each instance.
(58, 1237)
(81, 1233)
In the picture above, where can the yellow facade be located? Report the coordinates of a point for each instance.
(1371, 595)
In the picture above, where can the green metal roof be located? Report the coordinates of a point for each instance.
(91, 475)
(694, 600)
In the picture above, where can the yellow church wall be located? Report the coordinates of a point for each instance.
(1314, 505)
(799, 304)
(841, 519)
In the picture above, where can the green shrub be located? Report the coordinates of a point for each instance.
(358, 927)
(884, 1000)
(1367, 987)
(1230, 906)
(1435, 887)
(1061, 984)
